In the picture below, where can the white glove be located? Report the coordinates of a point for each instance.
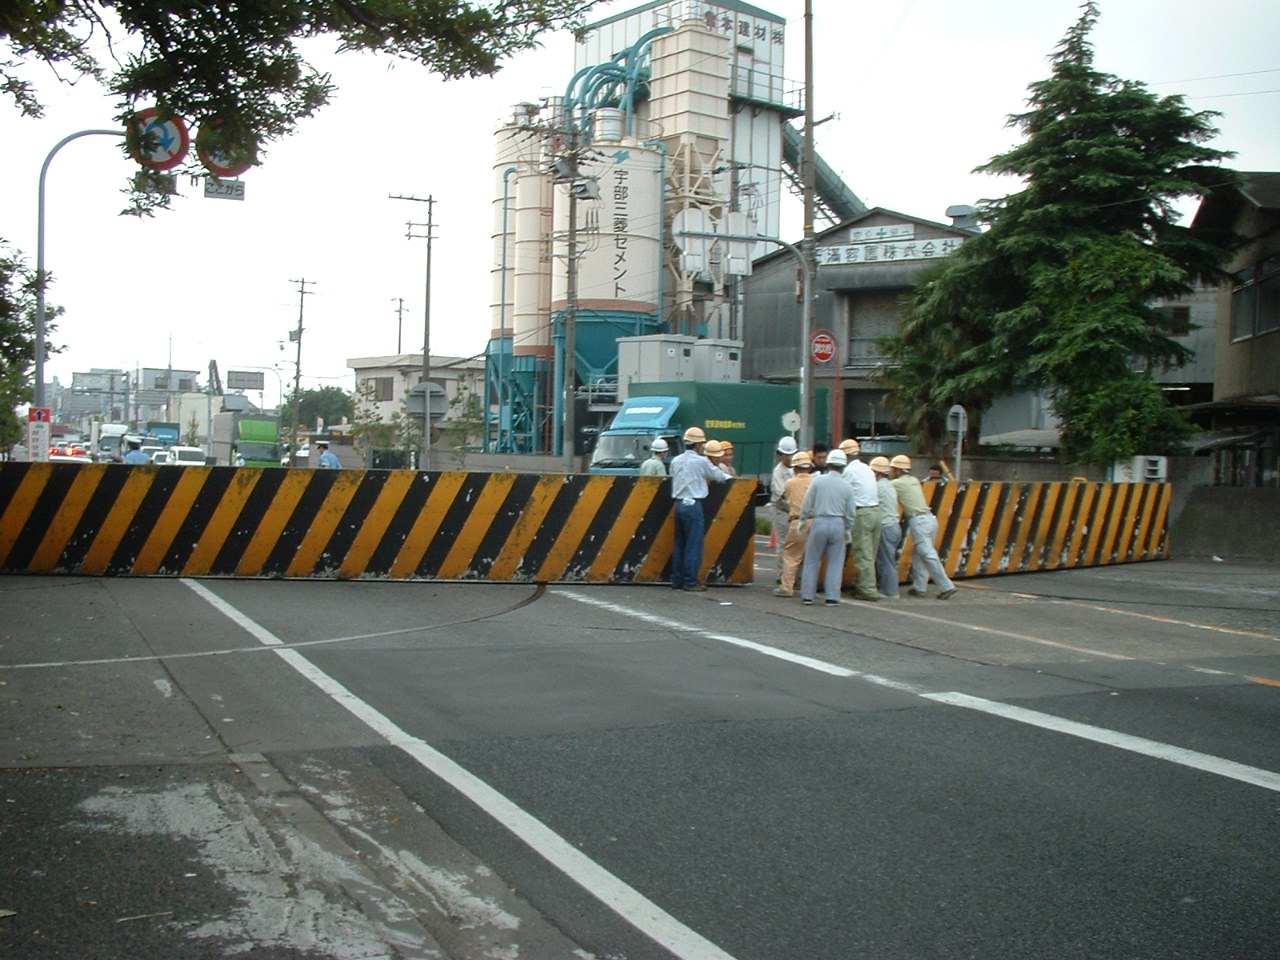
(848, 538)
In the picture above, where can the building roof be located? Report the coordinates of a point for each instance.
(1259, 189)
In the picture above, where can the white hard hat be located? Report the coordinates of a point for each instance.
(658, 446)
(787, 445)
(836, 458)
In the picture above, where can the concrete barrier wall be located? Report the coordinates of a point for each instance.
(115, 520)
(992, 528)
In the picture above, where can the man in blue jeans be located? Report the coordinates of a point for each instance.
(690, 473)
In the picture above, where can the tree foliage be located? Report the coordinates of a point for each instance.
(18, 339)
(328, 406)
(1057, 294)
(234, 67)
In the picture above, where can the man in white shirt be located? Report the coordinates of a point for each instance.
(779, 512)
(690, 473)
(866, 530)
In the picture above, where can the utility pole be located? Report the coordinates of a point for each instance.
(399, 323)
(569, 448)
(296, 335)
(429, 226)
(809, 177)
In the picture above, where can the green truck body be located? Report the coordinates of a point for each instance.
(747, 414)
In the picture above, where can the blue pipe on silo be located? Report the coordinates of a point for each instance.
(503, 385)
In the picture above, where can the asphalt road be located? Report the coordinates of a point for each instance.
(1077, 764)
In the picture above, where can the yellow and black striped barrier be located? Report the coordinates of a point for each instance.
(991, 528)
(115, 520)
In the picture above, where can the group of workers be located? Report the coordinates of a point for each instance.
(823, 501)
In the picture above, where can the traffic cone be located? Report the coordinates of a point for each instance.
(773, 539)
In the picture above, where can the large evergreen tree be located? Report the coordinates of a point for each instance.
(1057, 293)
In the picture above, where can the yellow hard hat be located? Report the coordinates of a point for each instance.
(695, 435)
(802, 459)
(714, 448)
(850, 446)
(880, 464)
(901, 461)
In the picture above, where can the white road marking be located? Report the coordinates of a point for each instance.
(1112, 738)
(628, 903)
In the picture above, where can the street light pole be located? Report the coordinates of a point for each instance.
(809, 178)
(40, 274)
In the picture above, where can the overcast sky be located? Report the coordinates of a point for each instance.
(923, 89)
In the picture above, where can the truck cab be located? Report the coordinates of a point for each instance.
(624, 445)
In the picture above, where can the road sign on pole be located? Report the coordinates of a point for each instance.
(822, 346)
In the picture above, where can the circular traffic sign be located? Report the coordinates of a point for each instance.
(221, 163)
(158, 144)
(823, 346)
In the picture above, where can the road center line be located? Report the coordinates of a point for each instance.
(1112, 738)
(627, 902)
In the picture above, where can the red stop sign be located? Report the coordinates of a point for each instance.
(823, 346)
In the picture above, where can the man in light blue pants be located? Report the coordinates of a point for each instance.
(830, 503)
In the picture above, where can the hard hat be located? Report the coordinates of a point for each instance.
(695, 435)
(658, 446)
(714, 448)
(850, 446)
(880, 464)
(787, 445)
(802, 458)
(901, 461)
(836, 458)
(727, 444)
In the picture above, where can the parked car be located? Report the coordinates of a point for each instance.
(70, 458)
(152, 449)
(185, 457)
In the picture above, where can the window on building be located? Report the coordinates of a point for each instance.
(1179, 320)
(1255, 302)
(381, 388)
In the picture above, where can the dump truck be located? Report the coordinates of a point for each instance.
(239, 436)
(750, 415)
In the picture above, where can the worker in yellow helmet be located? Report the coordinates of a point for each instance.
(690, 474)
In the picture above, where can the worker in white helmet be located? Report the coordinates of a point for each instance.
(923, 527)
(829, 503)
(690, 473)
(866, 531)
(656, 465)
(779, 512)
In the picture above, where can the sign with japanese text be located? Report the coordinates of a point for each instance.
(855, 253)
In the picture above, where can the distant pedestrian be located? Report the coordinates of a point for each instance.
(690, 473)
(328, 460)
(936, 474)
(887, 581)
(135, 455)
(829, 503)
(866, 530)
(820, 451)
(923, 527)
(656, 465)
(797, 530)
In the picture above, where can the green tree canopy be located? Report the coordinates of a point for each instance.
(234, 67)
(327, 405)
(17, 339)
(1058, 293)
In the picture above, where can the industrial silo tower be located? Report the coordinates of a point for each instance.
(673, 106)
